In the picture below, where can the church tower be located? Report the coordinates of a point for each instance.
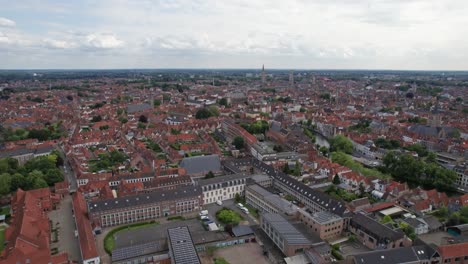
(263, 75)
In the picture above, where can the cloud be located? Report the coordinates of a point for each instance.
(103, 41)
(384, 34)
(5, 22)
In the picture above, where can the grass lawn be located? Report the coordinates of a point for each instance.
(2, 237)
(109, 240)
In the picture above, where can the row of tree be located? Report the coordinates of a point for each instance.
(417, 172)
(49, 132)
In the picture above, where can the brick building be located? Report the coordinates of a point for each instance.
(145, 206)
(285, 236)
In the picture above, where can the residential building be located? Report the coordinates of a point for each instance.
(222, 187)
(375, 235)
(454, 253)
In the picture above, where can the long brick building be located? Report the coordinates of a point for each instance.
(145, 206)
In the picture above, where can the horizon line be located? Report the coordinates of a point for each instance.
(256, 69)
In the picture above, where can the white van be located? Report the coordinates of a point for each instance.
(204, 212)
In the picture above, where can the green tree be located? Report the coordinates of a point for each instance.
(220, 260)
(203, 113)
(97, 118)
(324, 150)
(228, 217)
(297, 169)
(209, 175)
(238, 142)
(223, 101)
(341, 143)
(336, 179)
(286, 168)
(386, 219)
(166, 97)
(5, 183)
(143, 119)
(157, 102)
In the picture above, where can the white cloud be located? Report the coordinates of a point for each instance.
(103, 41)
(398, 34)
(5, 22)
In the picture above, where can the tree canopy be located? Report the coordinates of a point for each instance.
(228, 217)
(238, 142)
(341, 143)
(417, 172)
(36, 173)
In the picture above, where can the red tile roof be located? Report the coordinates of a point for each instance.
(28, 235)
(453, 250)
(85, 233)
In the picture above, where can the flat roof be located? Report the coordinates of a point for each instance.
(285, 229)
(391, 211)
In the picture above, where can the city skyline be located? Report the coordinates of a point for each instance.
(384, 35)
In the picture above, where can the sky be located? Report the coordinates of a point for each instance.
(282, 34)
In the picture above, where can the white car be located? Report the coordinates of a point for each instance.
(219, 202)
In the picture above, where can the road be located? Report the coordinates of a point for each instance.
(68, 172)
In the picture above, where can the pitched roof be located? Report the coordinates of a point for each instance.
(144, 198)
(201, 164)
(85, 233)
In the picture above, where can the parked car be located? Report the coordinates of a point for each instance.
(219, 202)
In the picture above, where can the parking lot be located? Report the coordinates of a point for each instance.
(64, 224)
(240, 254)
(213, 208)
(350, 248)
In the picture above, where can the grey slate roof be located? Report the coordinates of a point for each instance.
(242, 230)
(222, 179)
(201, 164)
(137, 108)
(274, 199)
(287, 231)
(24, 151)
(376, 228)
(323, 199)
(144, 198)
(181, 246)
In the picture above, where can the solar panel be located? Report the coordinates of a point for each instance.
(135, 251)
(183, 250)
